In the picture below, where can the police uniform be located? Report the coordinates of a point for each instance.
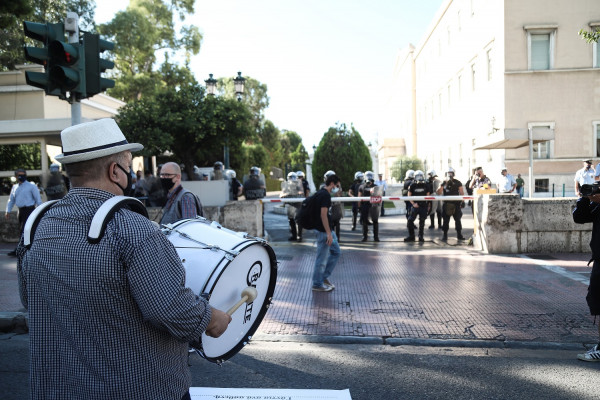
(418, 189)
(451, 187)
(367, 190)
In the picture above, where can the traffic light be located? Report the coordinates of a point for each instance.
(45, 33)
(95, 66)
(67, 67)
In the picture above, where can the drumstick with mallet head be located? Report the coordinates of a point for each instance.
(248, 296)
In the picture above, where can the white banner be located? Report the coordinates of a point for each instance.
(202, 393)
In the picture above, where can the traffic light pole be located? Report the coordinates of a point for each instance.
(72, 28)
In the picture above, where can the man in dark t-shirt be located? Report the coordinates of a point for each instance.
(326, 239)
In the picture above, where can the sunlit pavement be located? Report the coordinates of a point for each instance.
(411, 292)
(393, 290)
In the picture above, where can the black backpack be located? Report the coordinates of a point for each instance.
(307, 216)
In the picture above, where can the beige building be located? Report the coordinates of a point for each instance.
(27, 115)
(487, 74)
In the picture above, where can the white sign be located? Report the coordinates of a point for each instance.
(202, 393)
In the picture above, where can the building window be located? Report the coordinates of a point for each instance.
(542, 185)
(440, 102)
(460, 87)
(597, 55)
(542, 150)
(448, 30)
(489, 64)
(458, 20)
(473, 75)
(540, 48)
(449, 95)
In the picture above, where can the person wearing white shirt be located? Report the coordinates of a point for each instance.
(382, 182)
(507, 183)
(584, 176)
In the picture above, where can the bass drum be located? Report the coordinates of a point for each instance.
(219, 265)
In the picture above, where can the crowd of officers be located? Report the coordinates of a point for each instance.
(367, 212)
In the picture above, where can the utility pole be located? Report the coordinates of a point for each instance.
(72, 29)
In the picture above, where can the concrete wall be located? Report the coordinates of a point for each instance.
(240, 216)
(506, 224)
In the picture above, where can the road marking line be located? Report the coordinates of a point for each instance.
(558, 270)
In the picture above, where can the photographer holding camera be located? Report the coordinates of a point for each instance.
(588, 210)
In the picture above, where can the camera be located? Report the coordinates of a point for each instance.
(590, 190)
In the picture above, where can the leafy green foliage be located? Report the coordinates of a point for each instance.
(14, 12)
(27, 156)
(298, 158)
(342, 150)
(590, 37)
(188, 124)
(143, 29)
(403, 164)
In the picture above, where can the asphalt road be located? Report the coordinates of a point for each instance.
(372, 371)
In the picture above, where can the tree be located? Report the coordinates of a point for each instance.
(14, 12)
(27, 156)
(188, 124)
(403, 164)
(255, 97)
(298, 158)
(143, 29)
(590, 37)
(270, 138)
(343, 151)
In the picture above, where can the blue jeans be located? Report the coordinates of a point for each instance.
(324, 265)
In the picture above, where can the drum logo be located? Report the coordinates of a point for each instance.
(254, 273)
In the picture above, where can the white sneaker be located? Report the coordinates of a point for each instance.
(326, 282)
(592, 354)
(322, 288)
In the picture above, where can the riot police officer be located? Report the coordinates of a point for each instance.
(292, 188)
(254, 187)
(358, 180)
(305, 186)
(420, 208)
(368, 208)
(452, 187)
(408, 180)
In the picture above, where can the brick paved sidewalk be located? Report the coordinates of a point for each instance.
(392, 290)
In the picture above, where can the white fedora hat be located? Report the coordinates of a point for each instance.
(92, 140)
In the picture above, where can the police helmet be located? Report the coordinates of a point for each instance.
(419, 176)
(370, 176)
(218, 166)
(410, 174)
(292, 176)
(231, 173)
(431, 173)
(358, 176)
(300, 174)
(255, 171)
(328, 174)
(450, 171)
(54, 167)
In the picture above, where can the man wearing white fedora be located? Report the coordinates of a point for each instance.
(109, 318)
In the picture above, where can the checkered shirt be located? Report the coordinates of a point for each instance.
(110, 320)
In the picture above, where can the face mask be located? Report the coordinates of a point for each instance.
(335, 190)
(22, 178)
(128, 190)
(167, 183)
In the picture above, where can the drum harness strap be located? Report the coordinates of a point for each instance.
(99, 221)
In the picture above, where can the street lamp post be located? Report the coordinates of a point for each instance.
(211, 88)
(238, 82)
(211, 85)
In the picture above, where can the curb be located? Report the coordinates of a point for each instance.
(373, 340)
(16, 322)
